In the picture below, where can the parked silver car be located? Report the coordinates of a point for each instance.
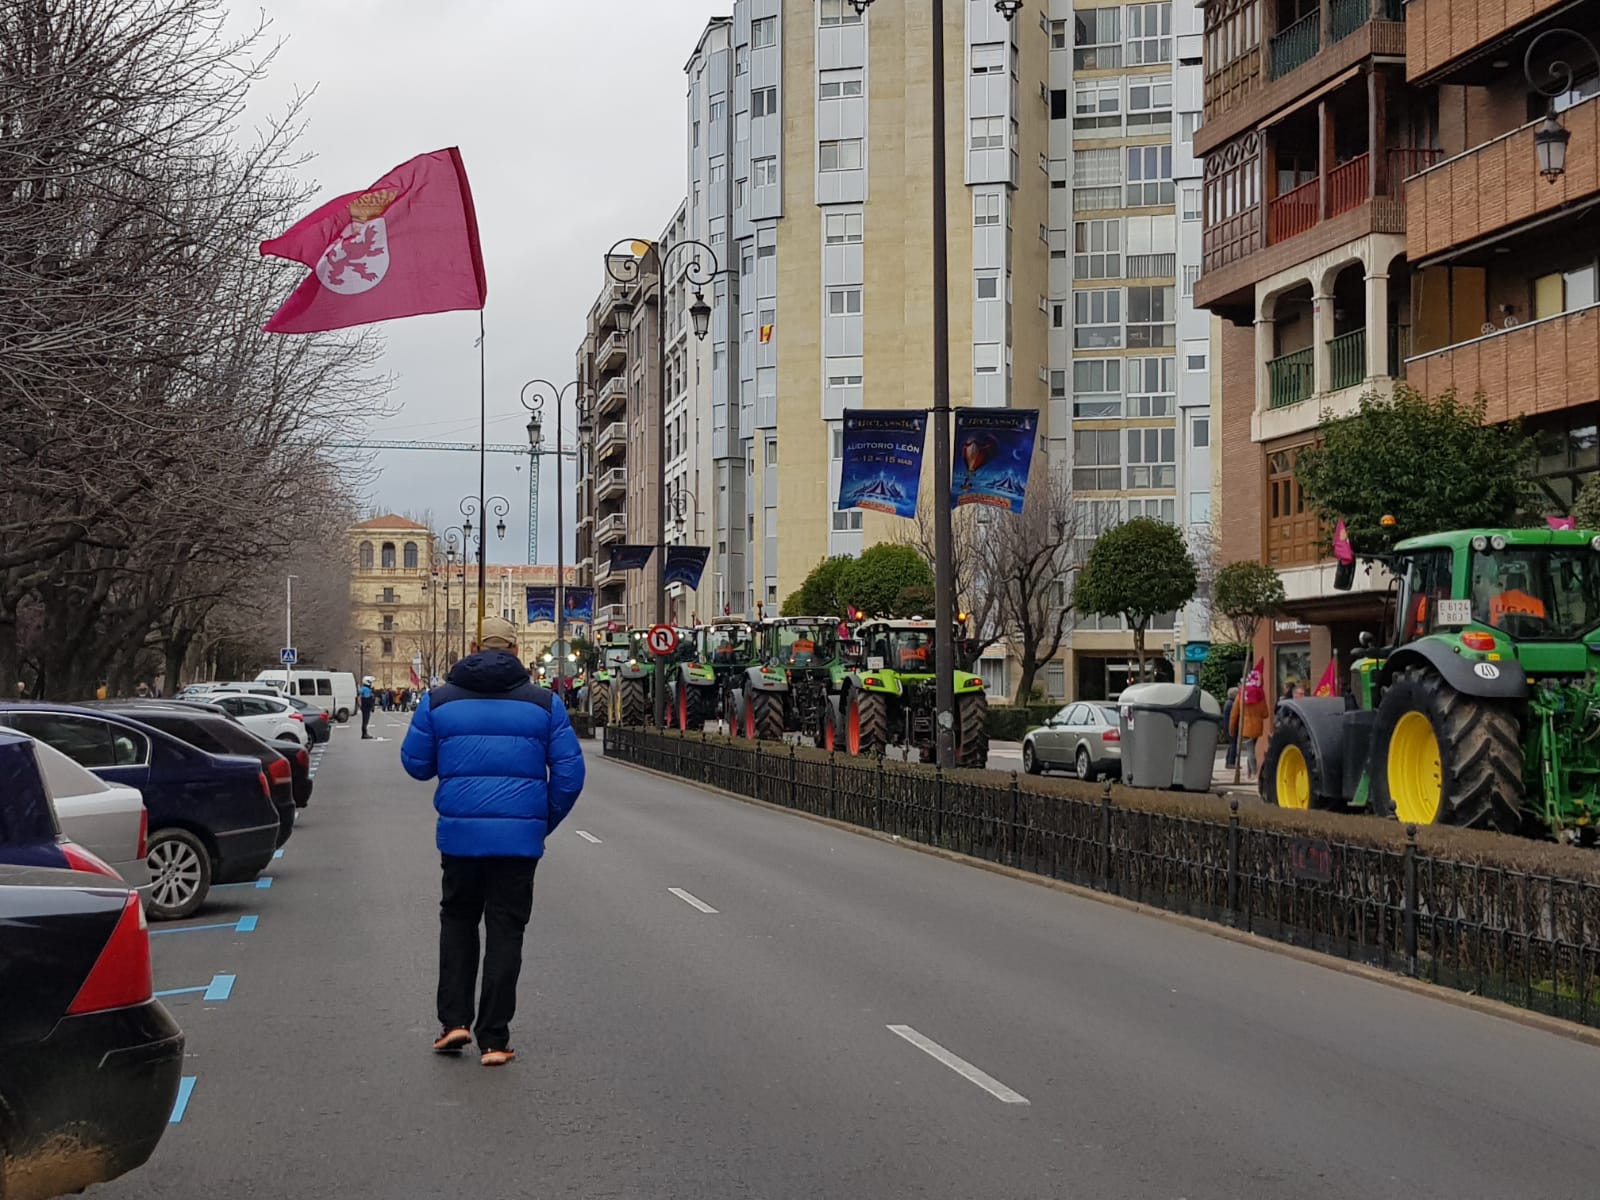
(1084, 738)
(107, 819)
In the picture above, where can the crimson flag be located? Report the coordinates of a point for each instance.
(405, 246)
(1328, 685)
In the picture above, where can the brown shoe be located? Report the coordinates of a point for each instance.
(498, 1058)
(452, 1041)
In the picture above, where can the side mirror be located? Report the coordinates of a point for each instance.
(1365, 640)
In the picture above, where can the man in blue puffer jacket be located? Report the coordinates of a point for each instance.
(509, 769)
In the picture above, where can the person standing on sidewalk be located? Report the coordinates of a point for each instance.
(510, 769)
(1249, 721)
(365, 701)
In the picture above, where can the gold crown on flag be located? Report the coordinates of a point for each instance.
(370, 205)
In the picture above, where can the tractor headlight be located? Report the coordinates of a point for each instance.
(1498, 542)
(1480, 543)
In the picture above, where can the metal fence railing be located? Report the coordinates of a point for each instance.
(1526, 939)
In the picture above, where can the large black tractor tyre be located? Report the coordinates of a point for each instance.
(734, 714)
(972, 730)
(866, 723)
(829, 736)
(1290, 770)
(766, 716)
(689, 710)
(1442, 758)
(635, 696)
(600, 702)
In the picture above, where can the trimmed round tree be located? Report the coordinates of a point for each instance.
(1135, 571)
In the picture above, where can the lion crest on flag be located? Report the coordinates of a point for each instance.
(359, 259)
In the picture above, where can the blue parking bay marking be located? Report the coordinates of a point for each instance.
(181, 1105)
(264, 882)
(242, 925)
(277, 854)
(220, 988)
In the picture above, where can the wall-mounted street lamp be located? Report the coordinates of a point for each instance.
(1550, 139)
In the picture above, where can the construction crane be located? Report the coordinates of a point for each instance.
(570, 453)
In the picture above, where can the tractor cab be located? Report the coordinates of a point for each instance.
(906, 647)
(725, 643)
(801, 643)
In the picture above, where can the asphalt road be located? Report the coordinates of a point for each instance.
(853, 1020)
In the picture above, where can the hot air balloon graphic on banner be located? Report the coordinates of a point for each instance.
(994, 448)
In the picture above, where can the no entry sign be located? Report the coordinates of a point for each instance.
(663, 639)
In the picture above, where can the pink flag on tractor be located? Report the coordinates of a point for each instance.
(1343, 551)
(1561, 522)
(407, 245)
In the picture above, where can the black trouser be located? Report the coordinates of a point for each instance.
(498, 892)
(366, 715)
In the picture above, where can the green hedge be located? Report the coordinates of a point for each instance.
(1008, 722)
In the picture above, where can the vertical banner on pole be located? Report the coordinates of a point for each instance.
(882, 464)
(580, 606)
(994, 448)
(541, 605)
(686, 564)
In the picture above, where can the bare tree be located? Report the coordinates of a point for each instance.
(968, 527)
(1026, 560)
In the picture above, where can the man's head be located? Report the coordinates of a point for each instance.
(1516, 579)
(498, 634)
(143, 689)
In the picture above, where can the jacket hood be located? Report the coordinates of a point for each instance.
(489, 671)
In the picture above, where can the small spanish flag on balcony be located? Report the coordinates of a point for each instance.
(766, 334)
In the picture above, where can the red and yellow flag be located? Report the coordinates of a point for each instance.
(1328, 685)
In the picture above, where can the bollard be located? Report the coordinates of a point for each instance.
(1411, 899)
(1233, 861)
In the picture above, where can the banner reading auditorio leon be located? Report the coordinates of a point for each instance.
(882, 460)
(541, 605)
(994, 447)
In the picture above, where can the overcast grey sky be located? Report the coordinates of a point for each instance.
(570, 119)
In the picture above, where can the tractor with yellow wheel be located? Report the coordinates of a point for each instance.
(1484, 712)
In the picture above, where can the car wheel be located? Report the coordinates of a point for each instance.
(1085, 765)
(180, 874)
(342, 715)
(1030, 759)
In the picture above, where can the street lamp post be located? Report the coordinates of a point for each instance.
(1550, 139)
(543, 388)
(679, 500)
(288, 630)
(626, 270)
(943, 556)
(361, 651)
(477, 506)
(453, 546)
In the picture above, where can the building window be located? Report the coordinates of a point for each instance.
(1097, 249)
(1152, 458)
(772, 452)
(764, 171)
(410, 556)
(841, 155)
(763, 102)
(844, 302)
(388, 596)
(1096, 179)
(1152, 312)
(846, 520)
(767, 250)
(988, 133)
(1058, 315)
(1191, 276)
(1233, 36)
(1097, 319)
(388, 556)
(986, 208)
(1058, 35)
(842, 228)
(1191, 202)
(764, 32)
(1195, 355)
(839, 85)
(843, 380)
(388, 623)
(989, 58)
(837, 12)
(1097, 388)
(837, 440)
(1149, 34)
(1149, 104)
(719, 108)
(366, 556)
(1200, 433)
(741, 60)
(1097, 104)
(1151, 390)
(1058, 104)
(1149, 175)
(1156, 508)
(719, 171)
(1188, 126)
(1097, 39)
(986, 285)
(741, 193)
(986, 358)
(388, 647)
(1058, 385)
(1096, 460)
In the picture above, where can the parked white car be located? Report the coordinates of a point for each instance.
(270, 718)
(106, 819)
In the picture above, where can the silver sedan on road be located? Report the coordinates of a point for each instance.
(1085, 738)
(107, 819)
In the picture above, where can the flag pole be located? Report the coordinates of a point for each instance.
(483, 439)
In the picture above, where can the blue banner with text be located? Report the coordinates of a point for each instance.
(994, 447)
(685, 564)
(541, 605)
(882, 460)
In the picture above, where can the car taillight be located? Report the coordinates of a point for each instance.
(296, 716)
(266, 788)
(144, 831)
(1112, 735)
(121, 975)
(79, 859)
(279, 769)
(303, 757)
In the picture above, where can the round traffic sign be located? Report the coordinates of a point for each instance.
(663, 639)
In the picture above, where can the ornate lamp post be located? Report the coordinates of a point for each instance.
(699, 274)
(943, 555)
(477, 506)
(1550, 139)
(542, 389)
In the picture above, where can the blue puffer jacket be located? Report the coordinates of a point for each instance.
(509, 766)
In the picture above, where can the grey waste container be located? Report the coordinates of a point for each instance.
(1169, 736)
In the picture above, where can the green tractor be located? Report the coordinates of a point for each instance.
(721, 652)
(795, 685)
(610, 654)
(1485, 710)
(631, 697)
(889, 697)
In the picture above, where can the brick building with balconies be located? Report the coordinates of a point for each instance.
(1374, 211)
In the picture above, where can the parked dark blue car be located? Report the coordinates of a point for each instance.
(212, 817)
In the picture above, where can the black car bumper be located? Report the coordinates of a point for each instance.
(242, 854)
(90, 1102)
(283, 800)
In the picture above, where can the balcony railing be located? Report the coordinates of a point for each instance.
(1347, 16)
(612, 614)
(612, 437)
(612, 351)
(1297, 45)
(613, 528)
(1292, 213)
(1347, 360)
(1292, 377)
(1348, 184)
(611, 483)
(612, 393)
(1152, 266)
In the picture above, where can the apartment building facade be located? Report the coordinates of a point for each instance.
(1374, 211)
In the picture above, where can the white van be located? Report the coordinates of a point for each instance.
(334, 690)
